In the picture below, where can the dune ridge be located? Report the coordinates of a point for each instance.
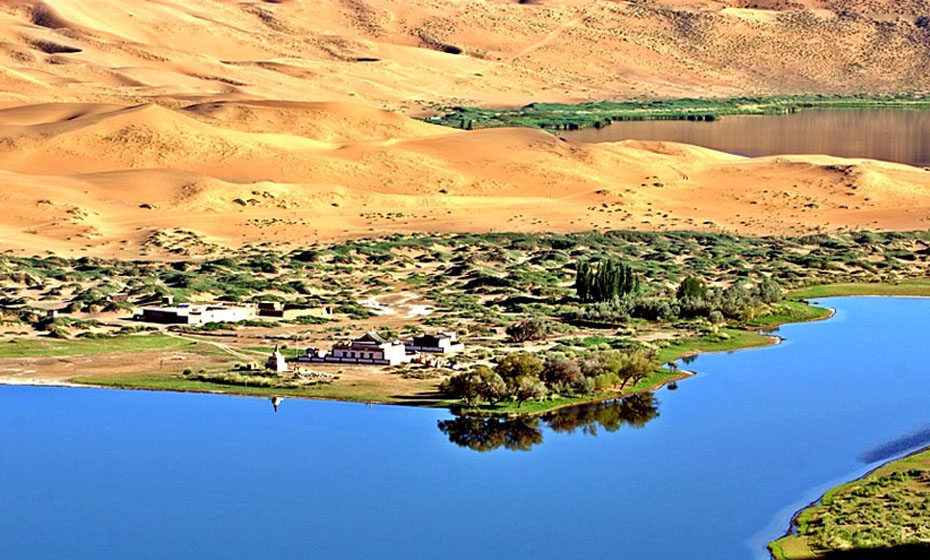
(337, 170)
(229, 122)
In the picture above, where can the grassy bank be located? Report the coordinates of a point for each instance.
(561, 116)
(887, 508)
(351, 392)
(508, 408)
(914, 287)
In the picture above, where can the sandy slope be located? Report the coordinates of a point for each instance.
(104, 179)
(411, 54)
(125, 126)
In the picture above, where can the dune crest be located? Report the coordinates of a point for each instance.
(340, 170)
(287, 122)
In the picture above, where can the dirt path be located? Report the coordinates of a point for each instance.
(224, 347)
(550, 37)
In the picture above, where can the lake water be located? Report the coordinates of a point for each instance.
(901, 136)
(712, 470)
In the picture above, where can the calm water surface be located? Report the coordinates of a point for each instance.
(712, 470)
(901, 136)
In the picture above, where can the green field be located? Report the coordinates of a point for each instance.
(790, 312)
(887, 508)
(562, 116)
(44, 347)
(727, 341)
(356, 392)
(913, 287)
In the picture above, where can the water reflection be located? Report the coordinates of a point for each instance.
(521, 433)
(891, 135)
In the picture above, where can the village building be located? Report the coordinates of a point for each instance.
(370, 349)
(188, 314)
(271, 309)
(439, 343)
(290, 311)
(276, 362)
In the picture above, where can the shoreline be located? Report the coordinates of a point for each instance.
(795, 517)
(773, 340)
(598, 114)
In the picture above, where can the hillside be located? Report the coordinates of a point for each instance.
(146, 126)
(112, 180)
(412, 54)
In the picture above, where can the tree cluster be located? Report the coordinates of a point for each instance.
(521, 433)
(605, 280)
(522, 376)
(693, 299)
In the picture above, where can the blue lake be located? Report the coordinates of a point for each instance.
(87, 473)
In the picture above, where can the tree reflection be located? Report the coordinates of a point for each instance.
(634, 411)
(483, 433)
(521, 433)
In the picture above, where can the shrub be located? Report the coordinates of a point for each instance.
(530, 329)
(521, 364)
(692, 287)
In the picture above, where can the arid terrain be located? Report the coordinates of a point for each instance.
(136, 126)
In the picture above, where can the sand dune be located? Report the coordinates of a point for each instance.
(108, 180)
(411, 55)
(138, 127)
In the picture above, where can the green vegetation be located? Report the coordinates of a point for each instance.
(789, 312)
(562, 116)
(913, 287)
(606, 280)
(726, 340)
(887, 508)
(522, 376)
(660, 294)
(522, 432)
(23, 348)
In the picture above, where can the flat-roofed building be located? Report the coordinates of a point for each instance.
(189, 314)
(439, 343)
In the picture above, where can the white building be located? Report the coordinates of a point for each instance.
(370, 349)
(189, 314)
(439, 343)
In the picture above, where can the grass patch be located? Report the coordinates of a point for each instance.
(562, 116)
(358, 392)
(889, 507)
(726, 341)
(914, 287)
(790, 312)
(43, 347)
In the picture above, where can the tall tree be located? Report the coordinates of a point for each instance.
(604, 281)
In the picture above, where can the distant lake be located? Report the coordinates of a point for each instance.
(901, 136)
(712, 470)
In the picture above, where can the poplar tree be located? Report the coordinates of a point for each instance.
(604, 281)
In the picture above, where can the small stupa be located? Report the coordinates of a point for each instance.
(276, 361)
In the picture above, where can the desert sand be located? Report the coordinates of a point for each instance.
(139, 127)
